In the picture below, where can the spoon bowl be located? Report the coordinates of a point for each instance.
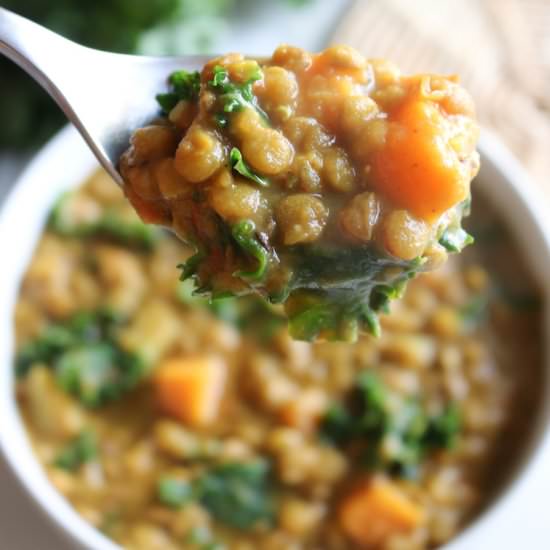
(105, 95)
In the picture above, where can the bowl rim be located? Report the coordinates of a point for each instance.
(15, 447)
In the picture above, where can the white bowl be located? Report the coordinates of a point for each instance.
(65, 161)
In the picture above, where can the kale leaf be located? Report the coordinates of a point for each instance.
(80, 450)
(244, 234)
(127, 230)
(98, 373)
(236, 494)
(455, 239)
(239, 165)
(184, 85)
(201, 538)
(87, 361)
(389, 437)
(235, 96)
(175, 492)
(337, 291)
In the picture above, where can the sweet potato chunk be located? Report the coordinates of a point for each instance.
(191, 388)
(375, 510)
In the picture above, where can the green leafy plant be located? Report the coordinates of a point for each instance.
(336, 292)
(184, 85)
(86, 358)
(174, 492)
(123, 229)
(392, 438)
(455, 239)
(236, 494)
(239, 165)
(244, 234)
(80, 450)
(233, 96)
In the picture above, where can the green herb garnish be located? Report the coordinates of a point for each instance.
(175, 492)
(244, 234)
(386, 436)
(455, 239)
(201, 537)
(184, 85)
(190, 266)
(235, 96)
(126, 229)
(239, 165)
(87, 361)
(80, 450)
(236, 494)
(338, 291)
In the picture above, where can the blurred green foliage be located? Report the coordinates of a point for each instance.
(29, 116)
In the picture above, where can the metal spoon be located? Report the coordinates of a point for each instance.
(105, 95)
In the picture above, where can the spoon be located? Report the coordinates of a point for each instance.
(105, 95)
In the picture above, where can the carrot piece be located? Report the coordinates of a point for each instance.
(191, 388)
(418, 168)
(377, 509)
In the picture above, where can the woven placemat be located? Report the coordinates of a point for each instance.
(500, 49)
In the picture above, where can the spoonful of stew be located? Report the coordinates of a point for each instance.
(320, 181)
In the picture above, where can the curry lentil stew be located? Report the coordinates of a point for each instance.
(320, 181)
(174, 422)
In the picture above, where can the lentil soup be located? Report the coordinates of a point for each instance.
(320, 181)
(171, 421)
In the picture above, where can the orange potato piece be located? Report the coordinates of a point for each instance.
(191, 388)
(377, 509)
(418, 169)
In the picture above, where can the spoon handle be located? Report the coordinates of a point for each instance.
(38, 51)
(64, 69)
(105, 95)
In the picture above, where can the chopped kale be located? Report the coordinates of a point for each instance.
(336, 292)
(201, 538)
(97, 373)
(228, 309)
(190, 266)
(87, 361)
(186, 294)
(238, 494)
(234, 96)
(386, 436)
(244, 234)
(175, 492)
(442, 430)
(126, 230)
(198, 536)
(184, 85)
(84, 327)
(239, 165)
(455, 239)
(80, 450)
(44, 349)
(250, 314)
